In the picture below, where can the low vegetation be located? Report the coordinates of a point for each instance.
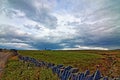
(108, 63)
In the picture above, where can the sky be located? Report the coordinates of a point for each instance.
(60, 24)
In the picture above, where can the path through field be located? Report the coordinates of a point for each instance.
(4, 56)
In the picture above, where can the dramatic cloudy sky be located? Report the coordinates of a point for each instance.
(60, 24)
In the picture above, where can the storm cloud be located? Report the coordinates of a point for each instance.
(60, 24)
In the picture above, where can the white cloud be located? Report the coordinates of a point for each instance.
(84, 22)
(65, 18)
(18, 46)
(86, 48)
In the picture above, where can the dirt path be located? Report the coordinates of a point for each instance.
(4, 56)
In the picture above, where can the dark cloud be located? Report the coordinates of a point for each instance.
(81, 24)
(47, 45)
(39, 14)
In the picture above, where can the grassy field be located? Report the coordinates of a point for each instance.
(107, 60)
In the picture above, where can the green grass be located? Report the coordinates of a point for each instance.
(16, 70)
(79, 59)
